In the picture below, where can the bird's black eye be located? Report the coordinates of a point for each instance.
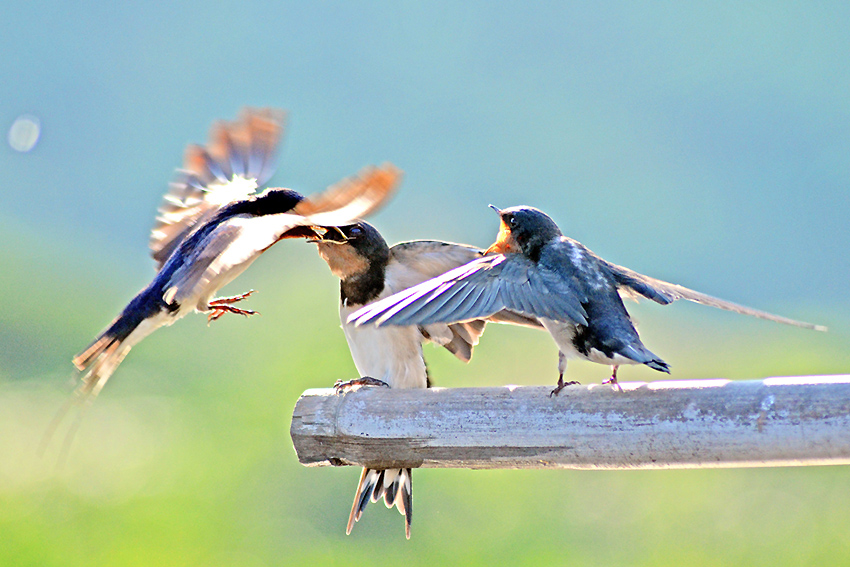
(355, 231)
(512, 221)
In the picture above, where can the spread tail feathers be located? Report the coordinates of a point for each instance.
(99, 360)
(658, 364)
(394, 485)
(643, 355)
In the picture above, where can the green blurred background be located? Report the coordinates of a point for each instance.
(707, 145)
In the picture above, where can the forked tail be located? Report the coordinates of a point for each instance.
(394, 485)
(98, 361)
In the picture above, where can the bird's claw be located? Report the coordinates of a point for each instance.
(561, 385)
(613, 381)
(228, 300)
(219, 310)
(222, 305)
(342, 386)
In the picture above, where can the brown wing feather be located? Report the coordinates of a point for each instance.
(351, 198)
(246, 147)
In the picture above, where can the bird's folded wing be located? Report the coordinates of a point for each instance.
(664, 293)
(238, 159)
(479, 289)
(416, 261)
(351, 198)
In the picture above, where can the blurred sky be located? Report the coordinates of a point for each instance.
(706, 144)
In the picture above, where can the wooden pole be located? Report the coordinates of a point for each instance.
(665, 424)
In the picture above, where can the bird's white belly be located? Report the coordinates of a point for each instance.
(209, 291)
(235, 244)
(563, 334)
(392, 354)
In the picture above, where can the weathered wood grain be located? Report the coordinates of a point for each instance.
(665, 424)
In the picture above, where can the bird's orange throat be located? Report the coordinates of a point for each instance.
(505, 242)
(342, 259)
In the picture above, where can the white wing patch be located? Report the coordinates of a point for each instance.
(238, 188)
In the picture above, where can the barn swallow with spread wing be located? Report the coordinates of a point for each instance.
(212, 226)
(369, 270)
(534, 270)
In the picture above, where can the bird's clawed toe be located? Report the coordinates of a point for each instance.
(613, 379)
(219, 310)
(342, 386)
(561, 385)
(222, 305)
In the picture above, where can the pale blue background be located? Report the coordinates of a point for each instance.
(706, 144)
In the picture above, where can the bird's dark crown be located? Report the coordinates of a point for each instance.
(530, 227)
(361, 236)
(269, 202)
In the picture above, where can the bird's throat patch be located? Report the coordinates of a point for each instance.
(505, 242)
(343, 260)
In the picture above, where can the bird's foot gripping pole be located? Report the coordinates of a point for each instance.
(613, 379)
(561, 385)
(222, 305)
(342, 386)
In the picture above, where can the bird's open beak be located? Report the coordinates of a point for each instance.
(309, 232)
(318, 233)
(505, 242)
(328, 234)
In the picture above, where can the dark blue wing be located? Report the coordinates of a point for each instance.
(664, 293)
(477, 290)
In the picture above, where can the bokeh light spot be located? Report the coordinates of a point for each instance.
(24, 133)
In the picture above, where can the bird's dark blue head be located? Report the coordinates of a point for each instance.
(353, 249)
(523, 230)
(269, 202)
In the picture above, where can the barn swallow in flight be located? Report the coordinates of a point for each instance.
(534, 270)
(211, 227)
(369, 270)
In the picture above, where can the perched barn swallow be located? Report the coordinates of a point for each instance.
(369, 270)
(534, 270)
(212, 226)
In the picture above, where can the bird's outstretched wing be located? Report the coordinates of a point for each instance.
(219, 250)
(351, 198)
(480, 289)
(416, 261)
(238, 159)
(632, 283)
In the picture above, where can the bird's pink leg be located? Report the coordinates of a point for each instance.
(613, 379)
(222, 305)
(562, 367)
